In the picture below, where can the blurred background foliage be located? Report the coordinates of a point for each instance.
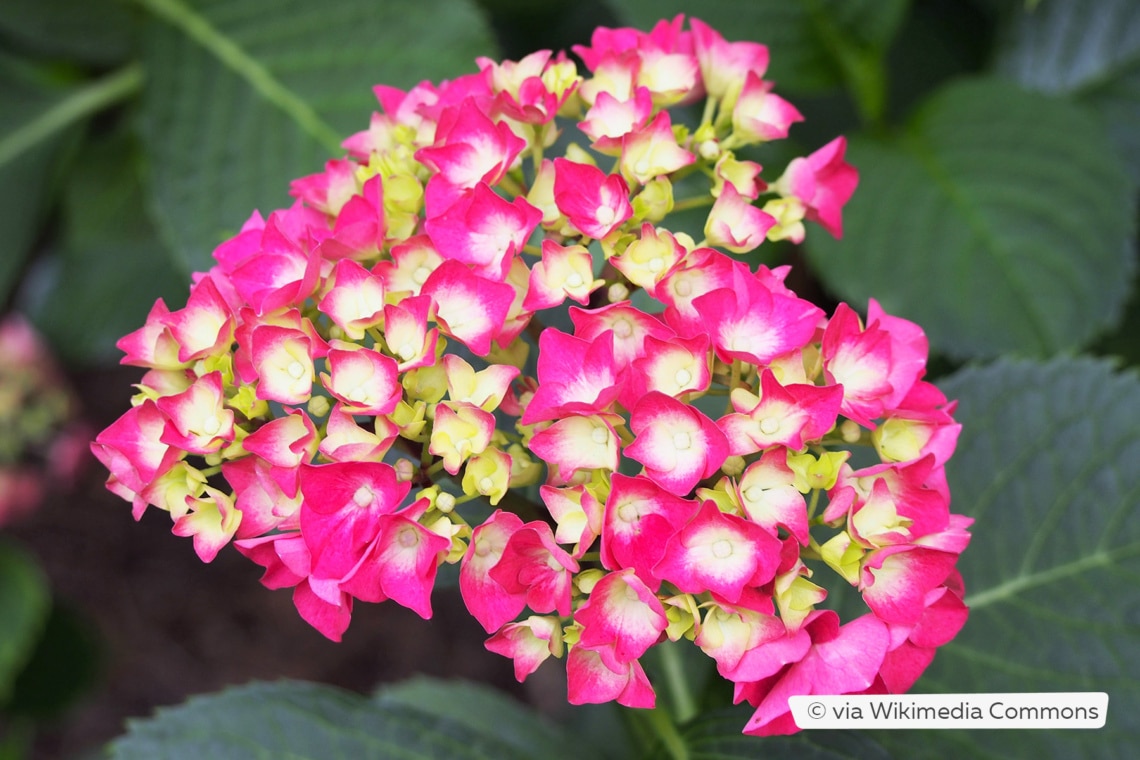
(998, 143)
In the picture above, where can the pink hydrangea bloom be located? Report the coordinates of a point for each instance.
(362, 376)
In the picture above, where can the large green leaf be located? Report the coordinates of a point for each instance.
(93, 31)
(716, 736)
(1089, 49)
(806, 38)
(301, 720)
(109, 266)
(479, 708)
(1049, 467)
(29, 158)
(244, 95)
(24, 605)
(999, 221)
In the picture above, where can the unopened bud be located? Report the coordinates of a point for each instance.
(319, 406)
(617, 292)
(405, 470)
(445, 502)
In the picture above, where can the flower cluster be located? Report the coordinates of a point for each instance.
(43, 443)
(353, 368)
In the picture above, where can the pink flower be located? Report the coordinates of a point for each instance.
(678, 445)
(486, 599)
(842, 660)
(469, 307)
(594, 202)
(343, 503)
(363, 380)
(470, 149)
(484, 230)
(400, 564)
(589, 681)
(736, 224)
(726, 65)
(652, 151)
(621, 619)
(780, 415)
(528, 643)
(721, 553)
(759, 116)
(610, 119)
(753, 323)
(534, 565)
(823, 182)
(574, 376)
(640, 517)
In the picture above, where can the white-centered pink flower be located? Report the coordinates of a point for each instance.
(719, 552)
(579, 442)
(484, 230)
(205, 327)
(486, 599)
(735, 223)
(346, 441)
(678, 445)
(610, 119)
(621, 619)
(574, 376)
(529, 643)
(594, 202)
(283, 362)
(759, 115)
(769, 496)
(652, 151)
(753, 323)
(211, 521)
(406, 332)
(564, 272)
(363, 380)
(470, 148)
(640, 518)
(726, 65)
(589, 681)
(199, 421)
(468, 307)
(355, 301)
(823, 182)
(781, 415)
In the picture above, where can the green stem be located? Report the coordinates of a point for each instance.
(84, 102)
(663, 728)
(695, 202)
(677, 683)
(180, 15)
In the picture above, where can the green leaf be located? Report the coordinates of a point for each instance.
(1089, 50)
(301, 720)
(24, 604)
(806, 38)
(63, 666)
(110, 265)
(92, 31)
(478, 709)
(29, 160)
(1048, 466)
(243, 96)
(716, 736)
(999, 222)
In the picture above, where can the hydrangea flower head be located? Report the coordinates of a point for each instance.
(358, 368)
